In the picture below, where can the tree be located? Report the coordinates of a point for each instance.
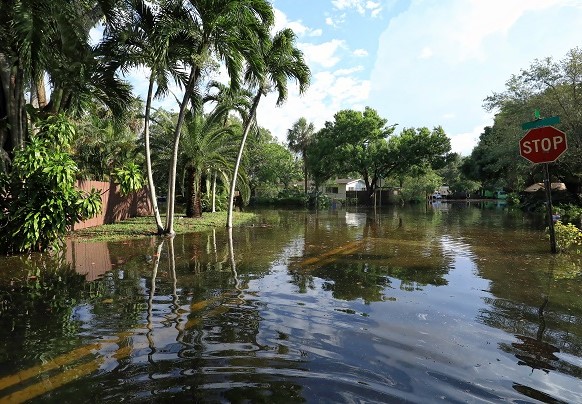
(553, 88)
(143, 38)
(281, 61)
(50, 37)
(230, 31)
(209, 150)
(360, 143)
(416, 149)
(298, 139)
(272, 165)
(38, 199)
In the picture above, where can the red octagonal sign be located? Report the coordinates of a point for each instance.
(543, 145)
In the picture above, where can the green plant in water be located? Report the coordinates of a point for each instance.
(567, 237)
(38, 198)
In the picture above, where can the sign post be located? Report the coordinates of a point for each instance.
(544, 144)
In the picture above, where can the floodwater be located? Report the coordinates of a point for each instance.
(444, 302)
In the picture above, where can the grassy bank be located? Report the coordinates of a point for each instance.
(145, 226)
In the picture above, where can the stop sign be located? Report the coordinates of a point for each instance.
(543, 145)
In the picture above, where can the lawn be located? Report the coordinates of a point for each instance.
(145, 226)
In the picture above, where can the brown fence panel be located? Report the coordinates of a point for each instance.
(115, 207)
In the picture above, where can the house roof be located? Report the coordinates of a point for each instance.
(347, 180)
(556, 186)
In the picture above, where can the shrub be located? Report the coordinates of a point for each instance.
(567, 236)
(39, 201)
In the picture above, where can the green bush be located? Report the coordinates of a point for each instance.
(567, 236)
(569, 213)
(38, 198)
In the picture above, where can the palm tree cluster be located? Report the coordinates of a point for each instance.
(182, 42)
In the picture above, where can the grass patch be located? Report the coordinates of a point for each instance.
(145, 226)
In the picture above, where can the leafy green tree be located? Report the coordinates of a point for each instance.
(280, 61)
(453, 176)
(51, 37)
(551, 87)
(38, 199)
(103, 144)
(416, 187)
(298, 139)
(273, 165)
(416, 150)
(360, 143)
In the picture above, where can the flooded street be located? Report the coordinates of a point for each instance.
(450, 302)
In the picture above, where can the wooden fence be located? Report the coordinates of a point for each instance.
(115, 207)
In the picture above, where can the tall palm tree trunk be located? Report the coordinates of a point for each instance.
(213, 192)
(146, 134)
(247, 128)
(193, 202)
(174, 163)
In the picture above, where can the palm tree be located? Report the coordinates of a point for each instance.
(228, 31)
(51, 37)
(298, 139)
(209, 149)
(144, 39)
(281, 61)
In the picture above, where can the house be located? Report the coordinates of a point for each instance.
(336, 189)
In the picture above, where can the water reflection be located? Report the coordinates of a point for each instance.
(461, 304)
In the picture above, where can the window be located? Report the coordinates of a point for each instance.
(331, 190)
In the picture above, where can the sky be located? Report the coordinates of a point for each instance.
(417, 62)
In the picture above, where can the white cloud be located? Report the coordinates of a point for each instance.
(329, 92)
(282, 22)
(360, 52)
(441, 58)
(425, 53)
(463, 143)
(324, 54)
(360, 6)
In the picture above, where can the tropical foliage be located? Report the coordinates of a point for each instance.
(38, 199)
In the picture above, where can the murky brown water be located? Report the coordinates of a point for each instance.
(451, 302)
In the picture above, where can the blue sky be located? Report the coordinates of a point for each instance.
(417, 62)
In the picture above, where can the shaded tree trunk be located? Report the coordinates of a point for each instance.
(13, 132)
(193, 202)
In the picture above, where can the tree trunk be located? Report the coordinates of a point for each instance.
(12, 81)
(193, 202)
(213, 192)
(247, 128)
(146, 134)
(174, 163)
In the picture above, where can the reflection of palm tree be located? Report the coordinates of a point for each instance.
(149, 317)
(233, 263)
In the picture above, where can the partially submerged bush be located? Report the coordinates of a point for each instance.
(39, 201)
(568, 236)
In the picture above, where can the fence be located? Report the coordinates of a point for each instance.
(115, 207)
(383, 197)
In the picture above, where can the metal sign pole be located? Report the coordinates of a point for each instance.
(548, 187)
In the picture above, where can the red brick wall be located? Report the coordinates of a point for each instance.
(115, 207)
